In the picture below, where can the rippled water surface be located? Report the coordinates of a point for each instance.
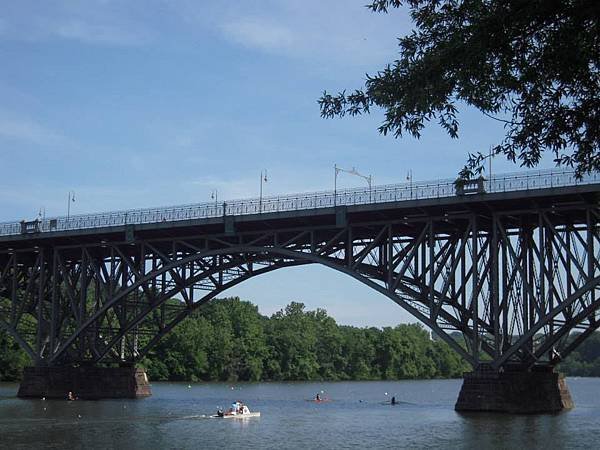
(176, 417)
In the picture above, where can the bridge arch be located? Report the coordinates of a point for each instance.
(275, 258)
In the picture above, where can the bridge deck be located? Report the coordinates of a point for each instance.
(447, 208)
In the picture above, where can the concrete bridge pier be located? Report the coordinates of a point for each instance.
(85, 382)
(540, 390)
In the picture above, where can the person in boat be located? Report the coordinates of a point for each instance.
(240, 407)
(237, 408)
(393, 400)
(318, 397)
(70, 396)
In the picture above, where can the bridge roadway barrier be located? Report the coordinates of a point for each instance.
(86, 382)
(520, 182)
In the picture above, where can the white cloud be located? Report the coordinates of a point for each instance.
(26, 130)
(338, 30)
(91, 33)
(228, 189)
(90, 22)
(259, 33)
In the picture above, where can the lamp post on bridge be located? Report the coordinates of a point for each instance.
(214, 195)
(352, 171)
(263, 178)
(71, 198)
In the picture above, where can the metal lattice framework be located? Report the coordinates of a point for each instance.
(513, 276)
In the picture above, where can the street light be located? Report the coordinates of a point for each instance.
(214, 195)
(263, 178)
(71, 198)
(492, 154)
(353, 171)
(409, 178)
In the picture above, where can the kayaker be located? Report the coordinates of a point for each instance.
(318, 397)
(394, 400)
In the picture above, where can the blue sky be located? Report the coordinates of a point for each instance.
(148, 103)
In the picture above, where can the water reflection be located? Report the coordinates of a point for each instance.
(512, 431)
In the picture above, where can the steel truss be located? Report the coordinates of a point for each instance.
(512, 284)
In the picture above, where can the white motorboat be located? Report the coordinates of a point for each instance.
(237, 411)
(239, 416)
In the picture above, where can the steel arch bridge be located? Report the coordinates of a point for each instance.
(514, 271)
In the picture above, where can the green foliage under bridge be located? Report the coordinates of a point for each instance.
(229, 340)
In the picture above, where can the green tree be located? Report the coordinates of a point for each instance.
(182, 355)
(584, 361)
(328, 348)
(228, 340)
(291, 334)
(12, 358)
(447, 363)
(534, 65)
(249, 347)
(358, 347)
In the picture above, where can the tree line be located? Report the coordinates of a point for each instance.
(585, 360)
(229, 340)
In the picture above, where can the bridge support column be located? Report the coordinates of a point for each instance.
(91, 383)
(517, 392)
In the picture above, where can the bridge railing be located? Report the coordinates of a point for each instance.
(359, 196)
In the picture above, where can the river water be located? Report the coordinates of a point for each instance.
(177, 417)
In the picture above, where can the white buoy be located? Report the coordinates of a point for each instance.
(386, 393)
